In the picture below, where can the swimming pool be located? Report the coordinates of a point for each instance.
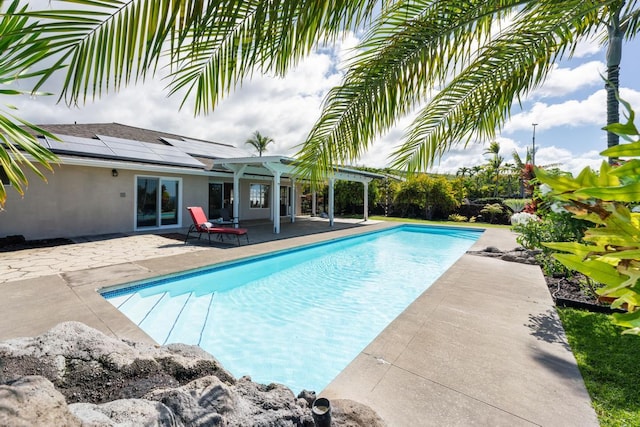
(296, 317)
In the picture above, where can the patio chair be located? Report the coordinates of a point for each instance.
(202, 225)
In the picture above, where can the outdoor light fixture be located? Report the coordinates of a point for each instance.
(114, 172)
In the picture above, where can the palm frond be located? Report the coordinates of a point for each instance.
(630, 20)
(235, 39)
(16, 145)
(414, 47)
(107, 44)
(477, 101)
(20, 50)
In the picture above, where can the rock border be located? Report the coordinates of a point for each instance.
(75, 375)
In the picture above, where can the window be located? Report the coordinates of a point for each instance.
(259, 196)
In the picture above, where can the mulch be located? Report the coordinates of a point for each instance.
(17, 243)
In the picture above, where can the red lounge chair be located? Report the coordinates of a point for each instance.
(202, 225)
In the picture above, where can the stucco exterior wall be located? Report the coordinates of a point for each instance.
(246, 212)
(80, 200)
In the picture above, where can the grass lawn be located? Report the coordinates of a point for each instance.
(450, 223)
(609, 363)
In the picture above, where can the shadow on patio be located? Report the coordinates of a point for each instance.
(261, 231)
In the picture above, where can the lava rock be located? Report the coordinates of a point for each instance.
(34, 401)
(108, 381)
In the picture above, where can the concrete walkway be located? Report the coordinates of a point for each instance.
(482, 346)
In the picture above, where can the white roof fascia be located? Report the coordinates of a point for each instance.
(111, 164)
(254, 160)
(278, 167)
(273, 163)
(352, 177)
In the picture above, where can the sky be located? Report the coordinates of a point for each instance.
(569, 110)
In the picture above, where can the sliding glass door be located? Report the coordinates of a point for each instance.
(158, 202)
(169, 201)
(220, 197)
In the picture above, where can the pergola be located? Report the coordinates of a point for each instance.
(280, 167)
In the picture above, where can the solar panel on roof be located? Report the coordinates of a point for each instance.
(207, 149)
(148, 152)
(75, 144)
(123, 149)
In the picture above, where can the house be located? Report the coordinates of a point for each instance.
(114, 178)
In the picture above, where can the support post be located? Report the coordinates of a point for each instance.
(276, 202)
(366, 200)
(331, 201)
(238, 171)
(293, 201)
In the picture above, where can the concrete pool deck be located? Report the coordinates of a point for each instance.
(482, 346)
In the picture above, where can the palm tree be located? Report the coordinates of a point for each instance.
(477, 57)
(495, 164)
(476, 171)
(520, 168)
(463, 171)
(259, 142)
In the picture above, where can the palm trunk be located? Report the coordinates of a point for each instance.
(614, 55)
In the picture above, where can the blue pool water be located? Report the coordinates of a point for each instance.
(296, 317)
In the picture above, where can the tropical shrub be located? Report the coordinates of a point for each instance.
(492, 210)
(610, 253)
(425, 196)
(535, 232)
(552, 224)
(349, 196)
(459, 190)
(516, 205)
(550, 227)
(457, 218)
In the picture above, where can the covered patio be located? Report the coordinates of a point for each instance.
(282, 168)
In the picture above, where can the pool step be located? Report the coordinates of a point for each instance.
(138, 308)
(160, 318)
(189, 326)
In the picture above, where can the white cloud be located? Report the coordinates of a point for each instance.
(587, 47)
(563, 81)
(567, 160)
(548, 156)
(575, 113)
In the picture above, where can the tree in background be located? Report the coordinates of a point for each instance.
(349, 196)
(259, 142)
(425, 196)
(495, 165)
